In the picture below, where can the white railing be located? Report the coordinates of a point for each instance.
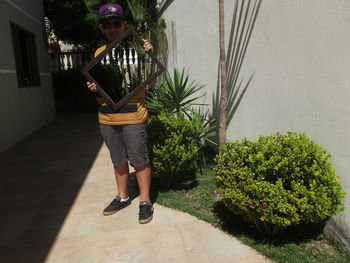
(68, 60)
(159, 3)
(126, 56)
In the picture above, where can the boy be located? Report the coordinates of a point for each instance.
(125, 133)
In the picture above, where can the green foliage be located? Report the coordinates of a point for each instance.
(173, 149)
(70, 23)
(279, 180)
(203, 131)
(175, 95)
(143, 18)
(203, 127)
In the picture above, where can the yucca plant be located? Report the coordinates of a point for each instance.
(174, 95)
(204, 130)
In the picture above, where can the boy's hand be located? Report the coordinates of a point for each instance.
(91, 86)
(152, 83)
(147, 45)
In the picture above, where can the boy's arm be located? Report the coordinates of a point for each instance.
(147, 47)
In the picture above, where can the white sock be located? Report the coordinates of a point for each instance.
(124, 200)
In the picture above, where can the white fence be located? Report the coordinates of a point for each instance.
(68, 60)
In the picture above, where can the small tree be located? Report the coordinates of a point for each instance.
(232, 90)
(223, 99)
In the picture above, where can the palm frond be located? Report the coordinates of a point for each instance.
(175, 95)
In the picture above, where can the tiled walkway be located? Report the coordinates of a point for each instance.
(53, 187)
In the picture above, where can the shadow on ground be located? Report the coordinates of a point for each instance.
(236, 225)
(40, 178)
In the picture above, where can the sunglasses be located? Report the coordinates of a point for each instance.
(112, 24)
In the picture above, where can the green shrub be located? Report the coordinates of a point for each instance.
(173, 95)
(173, 149)
(279, 180)
(203, 132)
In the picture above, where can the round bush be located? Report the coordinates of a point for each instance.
(282, 179)
(173, 150)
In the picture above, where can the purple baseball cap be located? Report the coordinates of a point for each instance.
(110, 10)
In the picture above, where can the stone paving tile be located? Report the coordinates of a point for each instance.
(206, 244)
(120, 238)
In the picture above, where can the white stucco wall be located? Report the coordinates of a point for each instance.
(22, 110)
(300, 53)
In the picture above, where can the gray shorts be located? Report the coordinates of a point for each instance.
(126, 143)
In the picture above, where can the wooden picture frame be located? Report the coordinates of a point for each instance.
(113, 104)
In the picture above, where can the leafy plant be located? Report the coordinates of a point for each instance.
(280, 180)
(143, 18)
(173, 150)
(175, 95)
(203, 132)
(69, 17)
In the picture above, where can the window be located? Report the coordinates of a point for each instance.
(25, 56)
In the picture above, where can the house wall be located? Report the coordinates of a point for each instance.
(23, 110)
(300, 56)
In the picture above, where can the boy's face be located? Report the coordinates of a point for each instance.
(113, 28)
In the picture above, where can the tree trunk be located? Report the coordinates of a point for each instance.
(223, 98)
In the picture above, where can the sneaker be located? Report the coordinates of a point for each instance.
(146, 212)
(115, 205)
